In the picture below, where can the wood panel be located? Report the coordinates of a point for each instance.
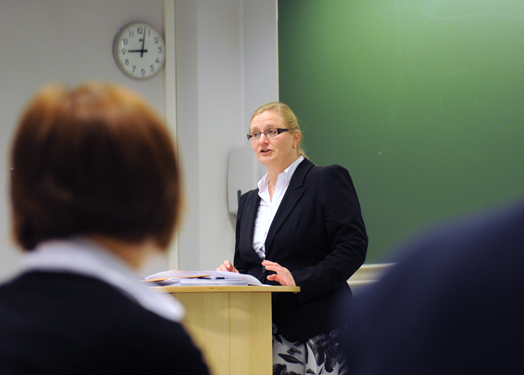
(231, 325)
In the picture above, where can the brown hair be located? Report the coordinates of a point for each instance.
(95, 159)
(288, 117)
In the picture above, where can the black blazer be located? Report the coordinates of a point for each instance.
(63, 323)
(318, 234)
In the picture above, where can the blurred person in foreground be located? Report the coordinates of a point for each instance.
(303, 226)
(95, 192)
(452, 304)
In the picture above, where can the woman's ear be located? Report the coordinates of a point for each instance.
(296, 139)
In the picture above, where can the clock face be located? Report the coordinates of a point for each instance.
(139, 50)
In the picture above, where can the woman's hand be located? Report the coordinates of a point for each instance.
(227, 267)
(282, 276)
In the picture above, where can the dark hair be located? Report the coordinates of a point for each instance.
(95, 159)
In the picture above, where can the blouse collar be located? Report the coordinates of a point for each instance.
(283, 178)
(82, 256)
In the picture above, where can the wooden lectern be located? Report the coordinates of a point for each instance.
(231, 325)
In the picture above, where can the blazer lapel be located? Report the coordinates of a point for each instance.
(248, 221)
(250, 215)
(294, 193)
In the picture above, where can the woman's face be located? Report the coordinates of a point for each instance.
(274, 153)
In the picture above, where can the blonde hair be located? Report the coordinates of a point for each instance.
(289, 118)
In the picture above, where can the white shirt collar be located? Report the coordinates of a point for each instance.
(85, 257)
(283, 178)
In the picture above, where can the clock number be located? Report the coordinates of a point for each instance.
(131, 33)
(126, 62)
(157, 60)
(140, 30)
(124, 41)
(134, 67)
(160, 49)
(143, 71)
(123, 51)
(152, 68)
(155, 39)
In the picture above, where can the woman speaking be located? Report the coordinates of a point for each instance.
(303, 226)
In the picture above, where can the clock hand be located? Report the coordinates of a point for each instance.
(137, 50)
(143, 43)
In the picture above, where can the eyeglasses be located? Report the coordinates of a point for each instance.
(270, 133)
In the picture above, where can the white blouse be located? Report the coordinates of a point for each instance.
(268, 207)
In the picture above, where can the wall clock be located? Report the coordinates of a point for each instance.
(139, 50)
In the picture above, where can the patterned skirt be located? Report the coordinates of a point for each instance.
(321, 354)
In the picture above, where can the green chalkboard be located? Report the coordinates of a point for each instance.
(422, 101)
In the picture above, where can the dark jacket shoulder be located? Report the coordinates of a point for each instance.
(95, 328)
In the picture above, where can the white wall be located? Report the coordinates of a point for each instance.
(59, 41)
(226, 66)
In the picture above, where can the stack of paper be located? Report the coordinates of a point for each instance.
(184, 278)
